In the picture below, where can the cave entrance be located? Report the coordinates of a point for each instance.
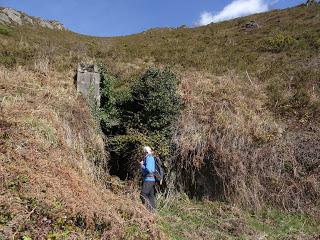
(120, 168)
(124, 164)
(203, 182)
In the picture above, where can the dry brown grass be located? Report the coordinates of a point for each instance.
(53, 165)
(231, 147)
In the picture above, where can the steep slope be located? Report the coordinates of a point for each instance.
(249, 132)
(53, 165)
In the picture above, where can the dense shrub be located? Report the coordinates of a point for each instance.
(141, 114)
(109, 114)
(154, 104)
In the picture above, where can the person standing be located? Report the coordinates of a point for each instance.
(147, 194)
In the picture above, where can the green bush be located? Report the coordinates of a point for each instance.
(278, 43)
(142, 114)
(154, 104)
(109, 114)
(4, 30)
(152, 108)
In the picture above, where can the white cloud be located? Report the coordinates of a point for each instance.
(237, 8)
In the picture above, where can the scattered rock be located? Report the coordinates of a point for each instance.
(311, 2)
(252, 24)
(182, 26)
(44, 23)
(57, 25)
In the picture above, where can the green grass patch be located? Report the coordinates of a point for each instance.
(183, 218)
(276, 224)
(5, 30)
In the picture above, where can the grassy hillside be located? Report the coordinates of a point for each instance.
(248, 134)
(53, 164)
(282, 54)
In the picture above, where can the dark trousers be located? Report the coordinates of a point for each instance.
(147, 195)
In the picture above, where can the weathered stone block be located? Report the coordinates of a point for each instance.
(88, 82)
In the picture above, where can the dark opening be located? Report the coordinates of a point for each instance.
(203, 182)
(123, 165)
(120, 168)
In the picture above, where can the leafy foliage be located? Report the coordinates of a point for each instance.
(141, 114)
(109, 115)
(154, 104)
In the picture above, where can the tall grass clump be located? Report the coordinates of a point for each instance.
(229, 146)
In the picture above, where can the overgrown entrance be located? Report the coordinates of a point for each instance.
(123, 166)
(136, 113)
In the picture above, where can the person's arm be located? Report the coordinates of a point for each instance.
(143, 168)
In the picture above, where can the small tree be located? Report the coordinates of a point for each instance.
(155, 104)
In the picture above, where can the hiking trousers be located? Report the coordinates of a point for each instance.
(147, 195)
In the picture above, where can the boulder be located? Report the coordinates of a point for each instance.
(311, 2)
(13, 15)
(28, 19)
(252, 24)
(4, 18)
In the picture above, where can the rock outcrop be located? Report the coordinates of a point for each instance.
(312, 2)
(10, 16)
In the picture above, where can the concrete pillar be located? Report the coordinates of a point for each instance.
(88, 82)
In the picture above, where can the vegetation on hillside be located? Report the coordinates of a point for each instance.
(137, 115)
(182, 218)
(53, 166)
(248, 133)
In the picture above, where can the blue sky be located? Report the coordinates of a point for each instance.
(123, 17)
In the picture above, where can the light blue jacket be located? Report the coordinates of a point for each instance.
(148, 168)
